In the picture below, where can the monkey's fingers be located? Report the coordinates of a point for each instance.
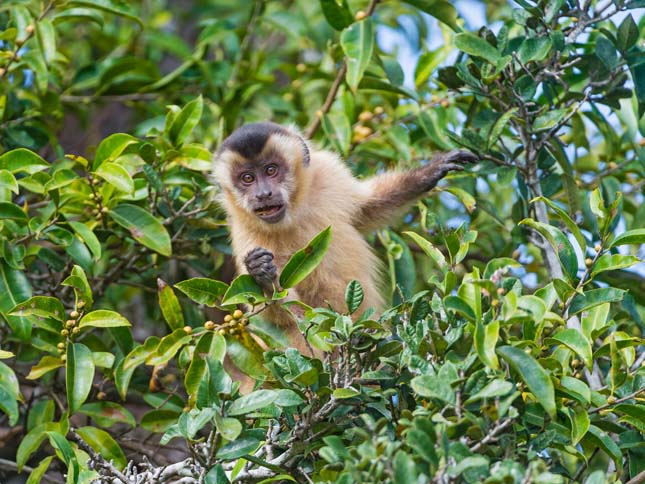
(458, 156)
(258, 253)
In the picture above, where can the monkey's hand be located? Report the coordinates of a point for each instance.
(259, 264)
(444, 163)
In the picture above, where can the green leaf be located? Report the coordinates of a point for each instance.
(560, 243)
(627, 34)
(600, 439)
(303, 262)
(111, 147)
(564, 217)
(12, 211)
(594, 297)
(121, 9)
(433, 386)
(15, 288)
(168, 347)
(22, 160)
(534, 49)
(549, 119)
(107, 414)
(230, 428)
(442, 10)
(202, 290)
(498, 128)
(342, 393)
(243, 290)
(79, 375)
(357, 42)
(87, 236)
(41, 306)
(210, 346)
(45, 365)
(576, 389)
(476, 46)
(354, 296)
(9, 394)
(532, 373)
(8, 181)
(338, 130)
(338, 16)
(636, 237)
(241, 446)
(185, 121)
(117, 176)
(143, 227)
(30, 442)
(78, 280)
(579, 419)
(612, 262)
(36, 476)
(158, 421)
(252, 401)
(169, 305)
(430, 250)
(575, 341)
(405, 470)
(494, 389)
(46, 36)
(486, 337)
(103, 318)
(104, 445)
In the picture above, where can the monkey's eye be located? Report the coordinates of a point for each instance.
(271, 170)
(247, 178)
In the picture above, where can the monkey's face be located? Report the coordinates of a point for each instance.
(260, 167)
(262, 186)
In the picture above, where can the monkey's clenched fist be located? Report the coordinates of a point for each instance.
(259, 264)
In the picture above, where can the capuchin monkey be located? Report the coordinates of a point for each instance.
(279, 192)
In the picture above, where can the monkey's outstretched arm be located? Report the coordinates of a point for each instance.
(391, 193)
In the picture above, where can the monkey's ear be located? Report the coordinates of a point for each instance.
(305, 152)
(306, 156)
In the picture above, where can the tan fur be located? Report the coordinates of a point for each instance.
(319, 195)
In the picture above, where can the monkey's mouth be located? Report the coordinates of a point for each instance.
(271, 213)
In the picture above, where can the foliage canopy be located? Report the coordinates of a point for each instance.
(512, 350)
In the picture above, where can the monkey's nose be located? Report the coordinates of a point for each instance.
(264, 195)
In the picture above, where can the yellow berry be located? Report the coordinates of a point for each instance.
(494, 302)
(64, 332)
(378, 110)
(61, 346)
(611, 399)
(221, 332)
(237, 314)
(188, 329)
(209, 325)
(360, 15)
(516, 254)
(612, 165)
(70, 323)
(101, 395)
(575, 363)
(577, 375)
(501, 291)
(365, 116)
(29, 29)
(63, 358)
(588, 262)
(301, 67)
(597, 248)
(73, 314)
(444, 103)
(104, 210)
(641, 142)
(228, 318)
(80, 305)
(76, 330)
(244, 321)
(527, 350)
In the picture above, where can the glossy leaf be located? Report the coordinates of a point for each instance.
(636, 236)
(185, 121)
(79, 375)
(22, 160)
(354, 296)
(303, 262)
(169, 305)
(560, 244)
(117, 176)
(103, 318)
(104, 445)
(535, 377)
(111, 147)
(575, 341)
(143, 227)
(357, 42)
(202, 290)
(594, 297)
(476, 46)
